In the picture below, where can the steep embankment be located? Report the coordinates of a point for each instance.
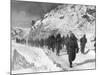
(30, 59)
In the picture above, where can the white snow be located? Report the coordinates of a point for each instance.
(82, 61)
(36, 56)
(72, 21)
(45, 60)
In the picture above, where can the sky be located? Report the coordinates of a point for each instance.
(23, 12)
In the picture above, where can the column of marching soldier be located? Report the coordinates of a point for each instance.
(56, 42)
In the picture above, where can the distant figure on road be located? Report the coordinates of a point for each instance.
(83, 42)
(72, 47)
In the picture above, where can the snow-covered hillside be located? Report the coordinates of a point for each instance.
(80, 19)
(70, 17)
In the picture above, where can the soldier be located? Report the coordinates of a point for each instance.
(66, 41)
(41, 42)
(52, 42)
(17, 40)
(63, 41)
(58, 44)
(72, 48)
(23, 41)
(47, 41)
(83, 42)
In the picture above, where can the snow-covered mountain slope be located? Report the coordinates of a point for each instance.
(32, 59)
(80, 19)
(70, 17)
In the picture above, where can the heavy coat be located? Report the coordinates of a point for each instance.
(83, 41)
(72, 47)
(58, 44)
(52, 42)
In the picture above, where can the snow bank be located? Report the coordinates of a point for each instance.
(37, 57)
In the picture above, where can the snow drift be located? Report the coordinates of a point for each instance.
(30, 59)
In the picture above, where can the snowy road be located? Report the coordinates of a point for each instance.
(46, 61)
(82, 61)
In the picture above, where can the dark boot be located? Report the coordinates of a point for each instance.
(70, 64)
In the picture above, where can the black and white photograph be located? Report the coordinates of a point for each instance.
(52, 37)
